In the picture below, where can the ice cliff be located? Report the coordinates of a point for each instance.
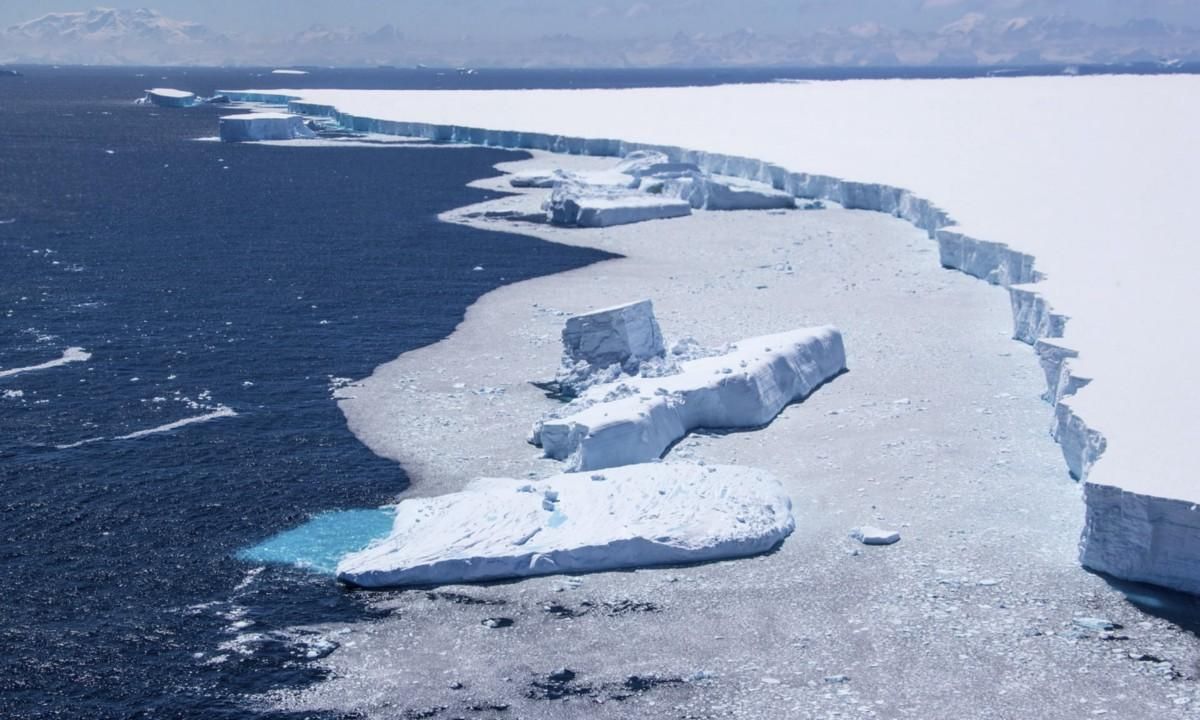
(263, 126)
(635, 516)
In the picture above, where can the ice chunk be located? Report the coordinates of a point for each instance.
(287, 71)
(868, 535)
(619, 335)
(641, 515)
(169, 97)
(263, 126)
(536, 178)
(636, 420)
(588, 205)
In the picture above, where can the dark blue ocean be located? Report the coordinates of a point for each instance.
(207, 278)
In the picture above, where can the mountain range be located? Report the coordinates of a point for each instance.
(145, 37)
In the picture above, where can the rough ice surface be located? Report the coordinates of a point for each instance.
(619, 335)
(263, 126)
(629, 517)
(585, 204)
(169, 97)
(1006, 196)
(635, 420)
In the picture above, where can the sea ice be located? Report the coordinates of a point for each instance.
(635, 420)
(263, 126)
(635, 516)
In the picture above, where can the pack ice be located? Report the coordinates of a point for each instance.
(635, 419)
(263, 126)
(634, 516)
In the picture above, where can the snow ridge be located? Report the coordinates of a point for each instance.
(1117, 520)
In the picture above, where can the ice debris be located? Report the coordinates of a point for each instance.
(868, 535)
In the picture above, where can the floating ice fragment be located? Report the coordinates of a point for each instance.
(868, 535)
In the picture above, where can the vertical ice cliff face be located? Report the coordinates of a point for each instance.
(250, 127)
(622, 335)
(1130, 535)
(1141, 537)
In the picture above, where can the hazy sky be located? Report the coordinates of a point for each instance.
(503, 19)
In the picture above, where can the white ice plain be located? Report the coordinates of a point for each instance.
(1090, 178)
(634, 516)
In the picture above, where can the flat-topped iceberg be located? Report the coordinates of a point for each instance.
(249, 127)
(170, 97)
(636, 419)
(635, 516)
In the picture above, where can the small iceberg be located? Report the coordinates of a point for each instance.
(169, 97)
(630, 517)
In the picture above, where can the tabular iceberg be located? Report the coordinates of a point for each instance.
(263, 126)
(583, 204)
(169, 97)
(636, 516)
(635, 420)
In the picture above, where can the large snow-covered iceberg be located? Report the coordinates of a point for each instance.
(1058, 190)
(635, 419)
(636, 516)
(263, 126)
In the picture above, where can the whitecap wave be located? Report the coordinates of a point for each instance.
(71, 354)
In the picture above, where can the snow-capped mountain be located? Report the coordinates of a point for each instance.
(105, 36)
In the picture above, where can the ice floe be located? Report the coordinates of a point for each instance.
(634, 516)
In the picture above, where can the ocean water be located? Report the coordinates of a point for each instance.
(220, 292)
(230, 284)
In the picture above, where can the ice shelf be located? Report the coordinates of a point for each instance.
(635, 419)
(1057, 191)
(635, 516)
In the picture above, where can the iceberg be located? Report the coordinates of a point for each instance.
(249, 127)
(620, 335)
(630, 517)
(169, 97)
(635, 420)
(583, 204)
(1047, 192)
